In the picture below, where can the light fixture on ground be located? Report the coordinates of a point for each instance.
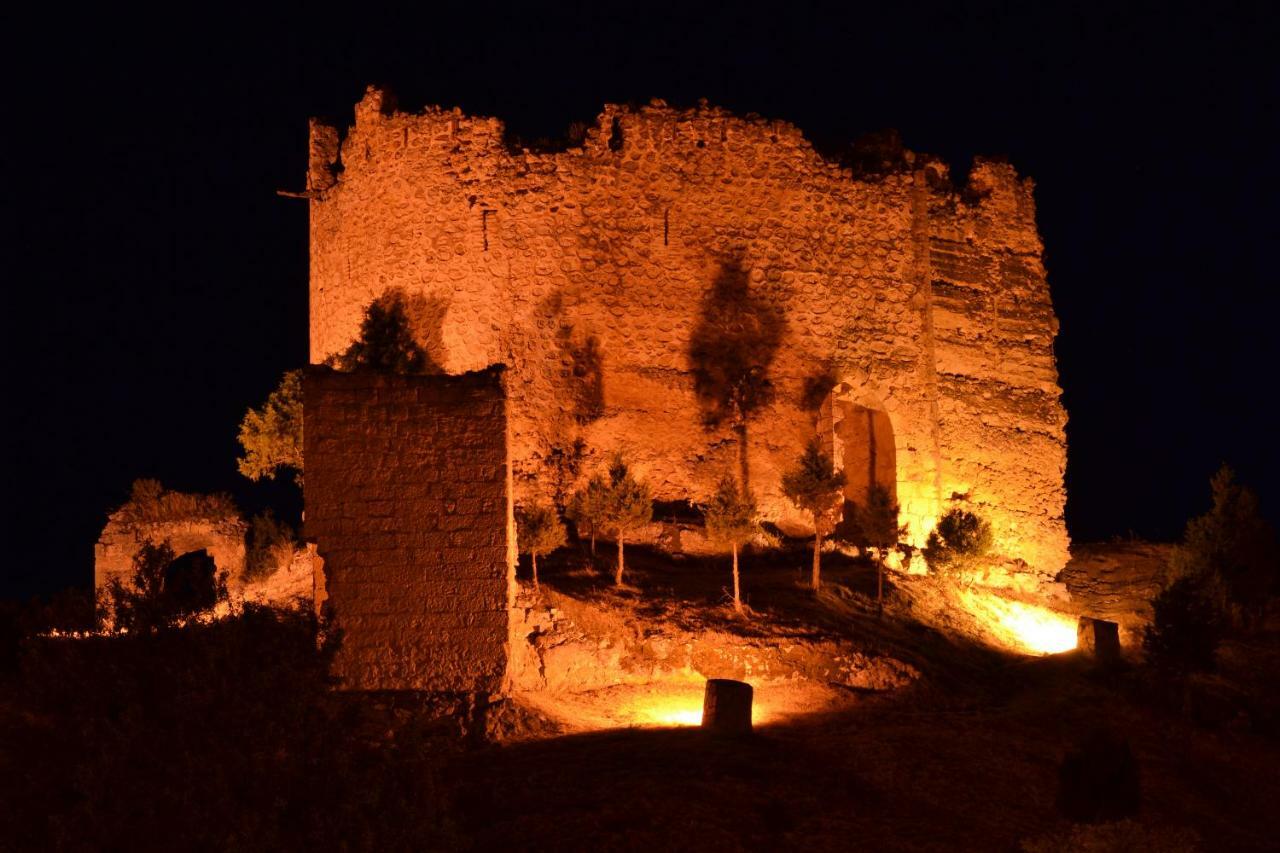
(726, 706)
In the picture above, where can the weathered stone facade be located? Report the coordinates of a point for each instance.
(191, 523)
(919, 311)
(186, 522)
(408, 501)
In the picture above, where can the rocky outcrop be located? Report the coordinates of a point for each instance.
(1116, 581)
(564, 644)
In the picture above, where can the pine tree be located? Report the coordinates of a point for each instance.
(814, 486)
(539, 532)
(1186, 625)
(628, 507)
(1233, 548)
(588, 507)
(731, 520)
(873, 527)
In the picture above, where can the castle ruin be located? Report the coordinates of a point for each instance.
(904, 319)
(585, 272)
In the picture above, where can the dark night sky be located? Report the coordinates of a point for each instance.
(161, 286)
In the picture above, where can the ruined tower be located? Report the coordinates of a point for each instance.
(909, 318)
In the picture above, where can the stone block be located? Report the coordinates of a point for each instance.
(1099, 639)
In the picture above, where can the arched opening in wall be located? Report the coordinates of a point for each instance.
(191, 582)
(860, 440)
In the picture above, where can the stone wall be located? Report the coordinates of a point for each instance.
(588, 272)
(408, 501)
(186, 522)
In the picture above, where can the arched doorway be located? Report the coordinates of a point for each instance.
(860, 440)
(190, 582)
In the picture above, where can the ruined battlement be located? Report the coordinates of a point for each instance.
(920, 307)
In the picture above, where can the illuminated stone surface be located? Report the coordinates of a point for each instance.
(408, 504)
(584, 272)
(187, 522)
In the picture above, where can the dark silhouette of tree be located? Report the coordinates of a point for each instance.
(814, 485)
(627, 507)
(873, 527)
(272, 435)
(539, 531)
(386, 343)
(1186, 626)
(1232, 550)
(817, 386)
(731, 352)
(731, 520)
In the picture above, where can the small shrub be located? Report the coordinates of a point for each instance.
(270, 546)
(588, 507)
(539, 531)
(1186, 626)
(959, 541)
(873, 527)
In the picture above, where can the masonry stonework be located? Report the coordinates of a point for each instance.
(919, 310)
(184, 522)
(408, 502)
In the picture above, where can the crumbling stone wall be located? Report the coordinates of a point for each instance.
(187, 522)
(408, 501)
(588, 271)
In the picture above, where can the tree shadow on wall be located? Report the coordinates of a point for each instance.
(731, 354)
(581, 371)
(398, 334)
(425, 313)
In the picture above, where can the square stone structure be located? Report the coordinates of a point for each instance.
(906, 319)
(408, 500)
(1098, 638)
